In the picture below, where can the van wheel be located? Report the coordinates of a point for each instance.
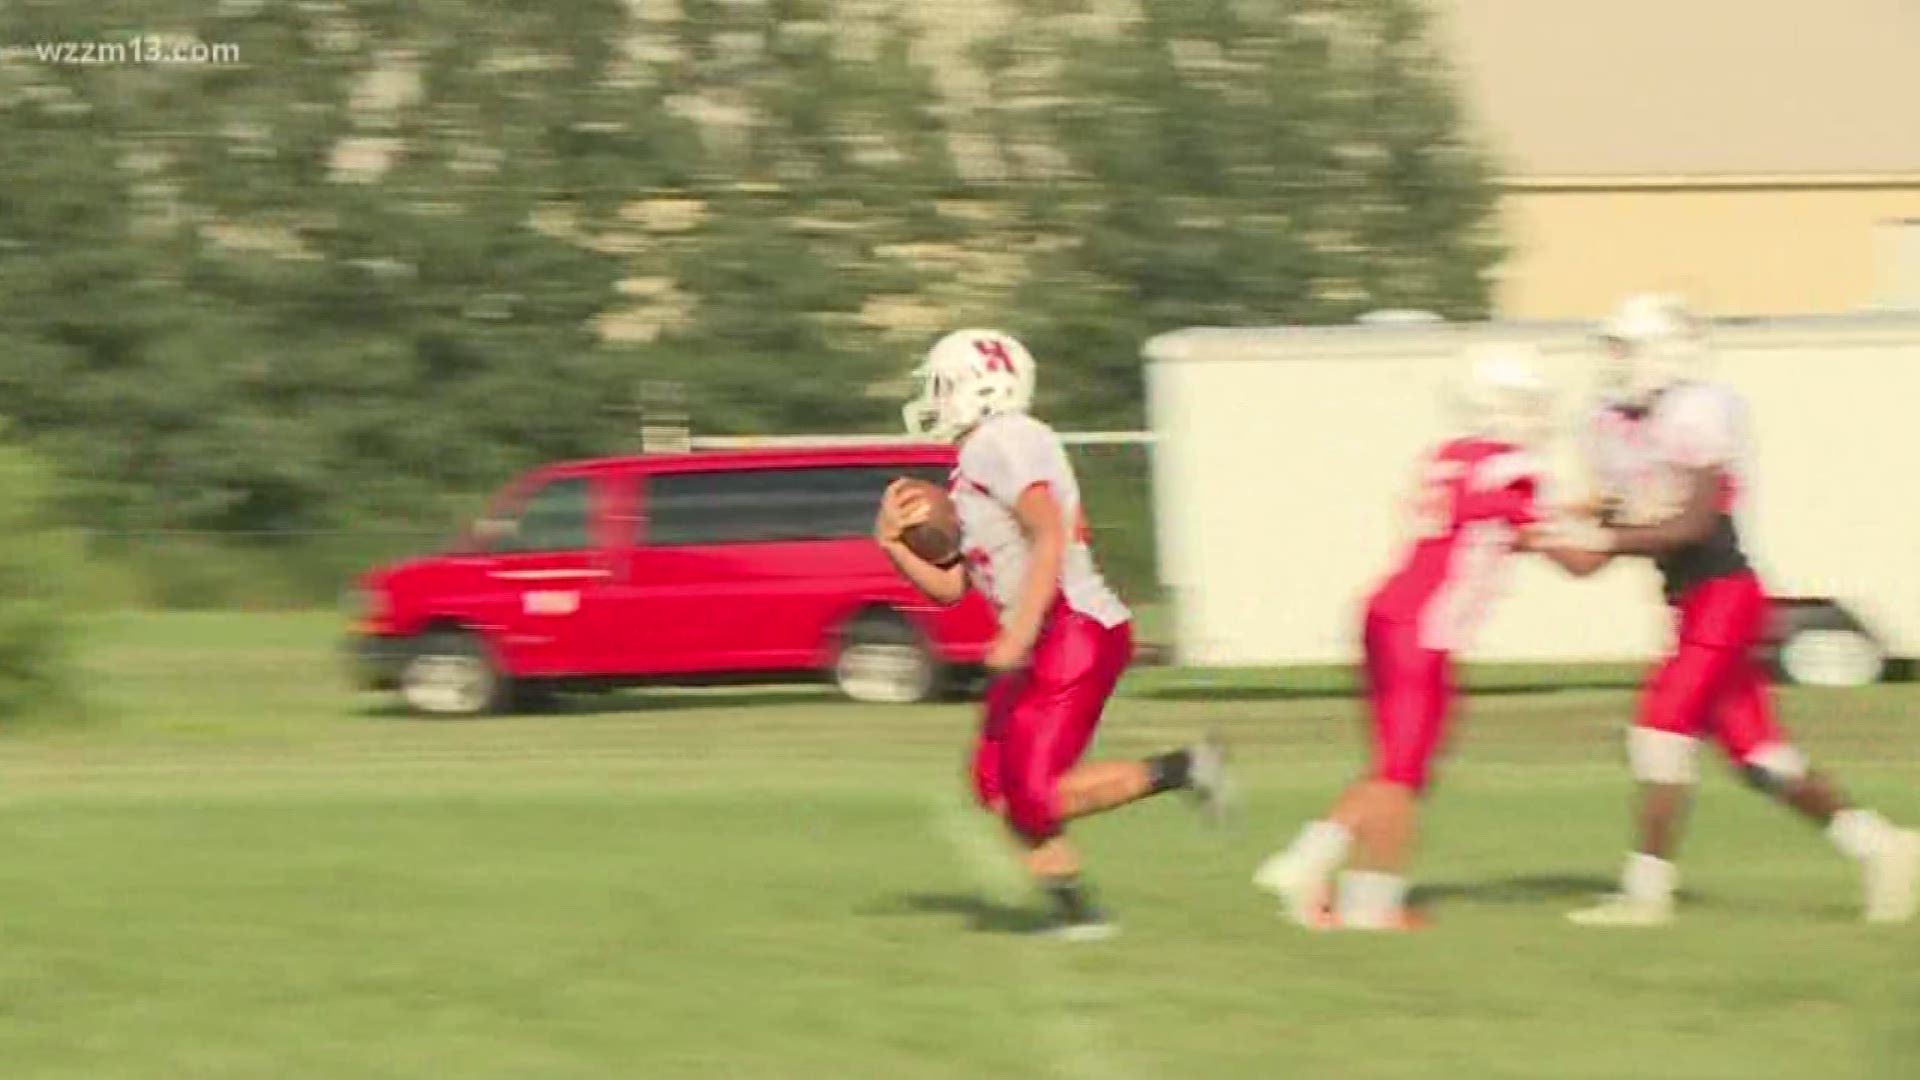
(451, 673)
(883, 660)
(1823, 645)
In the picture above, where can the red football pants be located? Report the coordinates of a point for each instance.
(1039, 721)
(1711, 684)
(1410, 691)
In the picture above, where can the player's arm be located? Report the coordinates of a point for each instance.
(1595, 506)
(1566, 537)
(1694, 524)
(1578, 561)
(901, 508)
(1581, 550)
(1038, 512)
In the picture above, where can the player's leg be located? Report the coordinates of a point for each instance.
(1373, 890)
(1074, 915)
(1032, 770)
(1663, 755)
(1096, 787)
(1745, 727)
(1087, 665)
(1888, 857)
(1373, 819)
(1051, 861)
(987, 771)
(1301, 874)
(1052, 720)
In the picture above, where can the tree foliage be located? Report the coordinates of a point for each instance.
(1229, 163)
(38, 590)
(401, 250)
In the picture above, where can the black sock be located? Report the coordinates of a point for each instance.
(1071, 898)
(1170, 770)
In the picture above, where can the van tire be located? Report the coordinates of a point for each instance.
(451, 673)
(881, 659)
(1822, 644)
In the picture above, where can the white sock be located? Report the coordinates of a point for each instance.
(1321, 843)
(1857, 833)
(1371, 900)
(1649, 878)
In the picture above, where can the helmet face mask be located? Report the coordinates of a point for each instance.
(968, 376)
(923, 415)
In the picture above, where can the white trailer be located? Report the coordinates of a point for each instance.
(1282, 455)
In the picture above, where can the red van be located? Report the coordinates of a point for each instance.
(672, 568)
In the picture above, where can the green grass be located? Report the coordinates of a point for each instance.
(237, 869)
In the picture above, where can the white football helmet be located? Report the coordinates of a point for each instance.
(1505, 397)
(1652, 342)
(968, 376)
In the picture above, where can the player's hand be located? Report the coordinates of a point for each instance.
(1585, 508)
(1006, 654)
(1599, 508)
(1543, 536)
(901, 508)
(1566, 534)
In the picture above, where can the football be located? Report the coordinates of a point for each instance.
(937, 539)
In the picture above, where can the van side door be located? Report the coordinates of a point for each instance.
(753, 569)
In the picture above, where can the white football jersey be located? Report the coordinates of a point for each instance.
(1641, 463)
(1003, 457)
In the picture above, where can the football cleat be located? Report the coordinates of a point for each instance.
(1327, 919)
(1619, 909)
(1893, 878)
(1213, 790)
(1083, 931)
(1305, 891)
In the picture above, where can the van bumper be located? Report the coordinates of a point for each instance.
(374, 660)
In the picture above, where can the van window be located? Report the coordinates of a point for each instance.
(553, 517)
(760, 505)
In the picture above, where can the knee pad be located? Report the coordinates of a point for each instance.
(1775, 767)
(1662, 757)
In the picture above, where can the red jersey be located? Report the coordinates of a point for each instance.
(1474, 496)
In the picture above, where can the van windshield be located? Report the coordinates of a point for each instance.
(555, 515)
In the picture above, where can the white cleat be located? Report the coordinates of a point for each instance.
(1207, 776)
(1893, 878)
(1404, 921)
(1618, 909)
(1086, 932)
(1305, 891)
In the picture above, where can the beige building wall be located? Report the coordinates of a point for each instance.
(1745, 152)
(1732, 248)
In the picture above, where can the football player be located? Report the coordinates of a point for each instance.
(1668, 451)
(1477, 492)
(1064, 637)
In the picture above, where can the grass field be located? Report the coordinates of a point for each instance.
(238, 869)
